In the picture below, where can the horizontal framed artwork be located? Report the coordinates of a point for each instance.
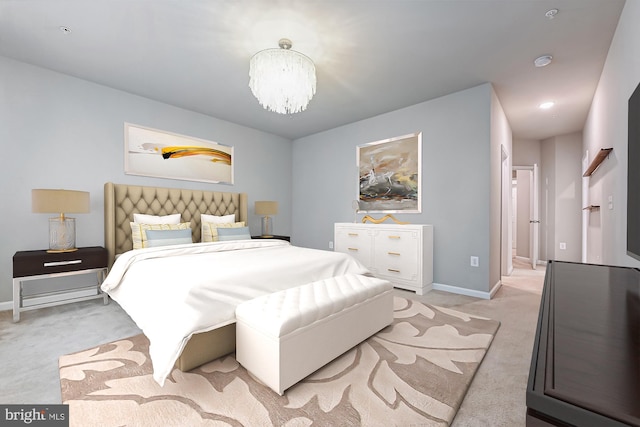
(390, 175)
(161, 154)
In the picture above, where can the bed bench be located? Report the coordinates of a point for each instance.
(283, 337)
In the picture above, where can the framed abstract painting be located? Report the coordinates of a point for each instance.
(160, 154)
(390, 175)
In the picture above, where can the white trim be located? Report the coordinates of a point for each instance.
(468, 292)
(6, 305)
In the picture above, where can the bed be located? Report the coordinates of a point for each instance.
(121, 201)
(249, 275)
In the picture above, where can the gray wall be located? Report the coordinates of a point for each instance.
(500, 137)
(57, 131)
(606, 126)
(561, 178)
(526, 152)
(547, 200)
(456, 181)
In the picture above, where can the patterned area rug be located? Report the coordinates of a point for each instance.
(415, 372)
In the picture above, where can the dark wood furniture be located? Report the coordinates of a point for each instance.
(287, 238)
(585, 368)
(37, 265)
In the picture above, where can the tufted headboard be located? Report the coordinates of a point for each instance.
(121, 201)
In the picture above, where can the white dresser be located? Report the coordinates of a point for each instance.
(402, 254)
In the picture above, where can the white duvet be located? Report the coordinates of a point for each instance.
(173, 292)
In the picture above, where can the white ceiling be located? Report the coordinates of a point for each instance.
(372, 56)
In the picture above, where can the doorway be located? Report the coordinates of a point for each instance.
(526, 220)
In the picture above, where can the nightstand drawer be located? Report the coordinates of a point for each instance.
(33, 263)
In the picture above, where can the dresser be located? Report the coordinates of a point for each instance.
(585, 367)
(402, 254)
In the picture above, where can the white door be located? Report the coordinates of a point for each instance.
(534, 221)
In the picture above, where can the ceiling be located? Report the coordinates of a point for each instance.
(371, 56)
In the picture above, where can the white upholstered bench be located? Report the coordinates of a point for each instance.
(283, 337)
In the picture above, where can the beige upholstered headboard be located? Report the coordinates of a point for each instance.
(121, 201)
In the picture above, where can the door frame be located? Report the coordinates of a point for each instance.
(534, 213)
(506, 226)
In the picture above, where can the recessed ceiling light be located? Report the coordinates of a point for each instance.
(546, 105)
(65, 30)
(542, 61)
(551, 13)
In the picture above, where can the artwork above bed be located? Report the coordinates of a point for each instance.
(151, 152)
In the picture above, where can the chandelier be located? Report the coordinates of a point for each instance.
(283, 80)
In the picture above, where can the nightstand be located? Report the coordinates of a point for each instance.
(287, 238)
(29, 266)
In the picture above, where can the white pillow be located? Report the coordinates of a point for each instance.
(156, 219)
(215, 219)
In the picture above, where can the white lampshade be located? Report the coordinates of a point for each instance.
(283, 80)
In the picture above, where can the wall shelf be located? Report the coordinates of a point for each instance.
(602, 154)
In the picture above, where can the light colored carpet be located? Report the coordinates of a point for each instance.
(496, 397)
(414, 372)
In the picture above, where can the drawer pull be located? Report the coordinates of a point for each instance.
(353, 234)
(394, 253)
(59, 263)
(393, 270)
(394, 237)
(353, 249)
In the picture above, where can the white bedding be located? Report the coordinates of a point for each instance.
(173, 292)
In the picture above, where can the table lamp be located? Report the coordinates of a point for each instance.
(266, 209)
(62, 229)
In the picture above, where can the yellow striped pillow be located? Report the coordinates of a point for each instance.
(139, 236)
(210, 229)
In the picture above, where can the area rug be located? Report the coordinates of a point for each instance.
(415, 372)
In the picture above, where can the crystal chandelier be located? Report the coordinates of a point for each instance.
(283, 80)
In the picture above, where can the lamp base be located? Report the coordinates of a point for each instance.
(61, 251)
(266, 227)
(62, 234)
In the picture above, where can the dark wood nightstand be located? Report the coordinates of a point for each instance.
(287, 238)
(37, 265)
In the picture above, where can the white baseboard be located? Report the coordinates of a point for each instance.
(6, 305)
(468, 292)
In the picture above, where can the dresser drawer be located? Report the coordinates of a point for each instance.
(355, 242)
(397, 263)
(397, 240)
(397, 254)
